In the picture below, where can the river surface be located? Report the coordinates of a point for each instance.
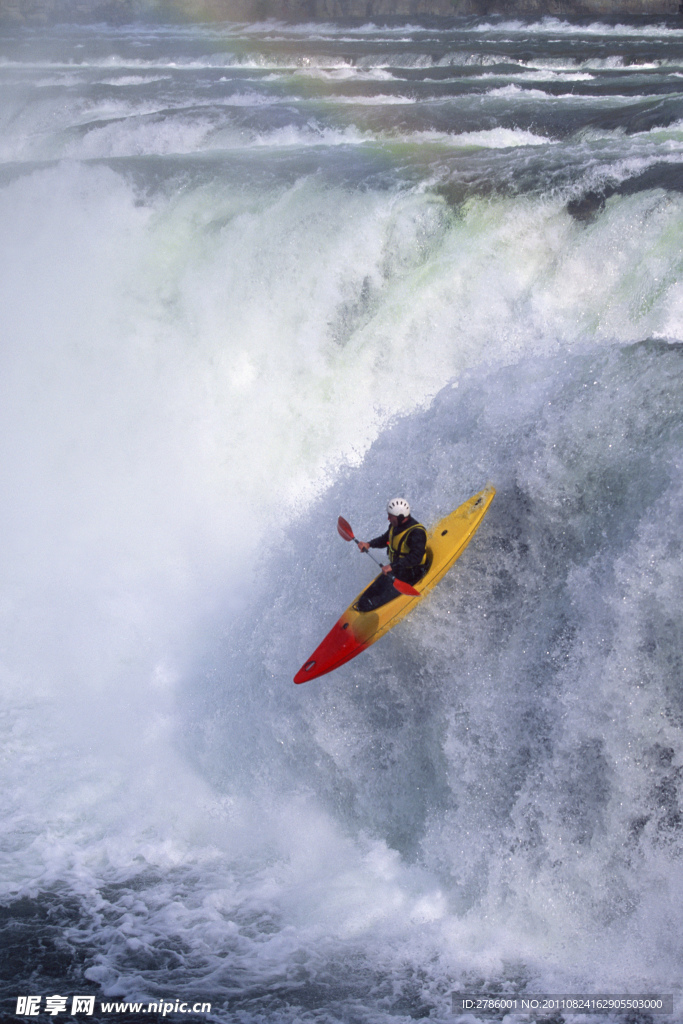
(253, 277)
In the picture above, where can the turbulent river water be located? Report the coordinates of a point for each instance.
(253, 277)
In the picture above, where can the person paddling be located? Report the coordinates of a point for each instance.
(406, 540)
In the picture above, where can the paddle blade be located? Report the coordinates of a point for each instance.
(344, 530)
(405, 588)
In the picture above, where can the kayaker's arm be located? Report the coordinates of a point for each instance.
(376, 542)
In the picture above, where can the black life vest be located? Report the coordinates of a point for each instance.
(397, 543)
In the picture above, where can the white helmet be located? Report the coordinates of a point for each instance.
(398, 507)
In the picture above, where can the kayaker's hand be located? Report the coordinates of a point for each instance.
(363, 545)
(386, 569)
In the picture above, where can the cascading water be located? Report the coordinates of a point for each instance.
(257, 276)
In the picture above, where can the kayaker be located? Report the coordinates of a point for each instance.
(406, 540)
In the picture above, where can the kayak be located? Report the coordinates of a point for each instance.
(356, 631)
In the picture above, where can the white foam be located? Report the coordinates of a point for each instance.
(544, 76)
(378, 100)
(554, 26)
(125, 81)
(341, 74)
(494, 138)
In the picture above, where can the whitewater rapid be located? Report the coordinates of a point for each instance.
(253, 277)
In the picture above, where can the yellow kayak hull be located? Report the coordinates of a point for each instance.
(355, 631)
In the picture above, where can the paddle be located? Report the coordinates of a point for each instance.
(345, 531)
